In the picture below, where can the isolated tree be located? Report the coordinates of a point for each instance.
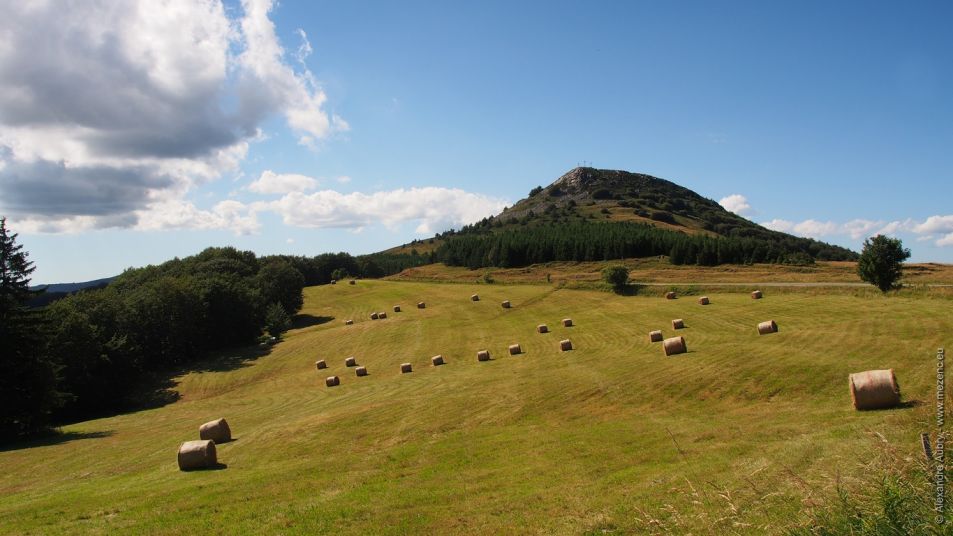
(616, 276)
(881, 262)
(27, 378)
(277, 320)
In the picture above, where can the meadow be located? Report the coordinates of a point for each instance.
(743, 434)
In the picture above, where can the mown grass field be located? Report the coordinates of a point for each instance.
(744, 434)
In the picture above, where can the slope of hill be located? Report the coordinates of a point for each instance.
(743, 435)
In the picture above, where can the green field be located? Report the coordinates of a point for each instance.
(744, 434)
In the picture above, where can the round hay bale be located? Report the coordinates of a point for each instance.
(320, 364)
(506, 304)
(332, 381)
(542, 328)
(475, 297)
(483, 355)
(515, 349)
(874, 389)
(333, 282)
(670, 295)
(396, 308)
(567, 322)
(678, 323)
(703, 300)
(381, 315)
(421, 305)
(217, 430)
(350, 362)
(352, 282)
(674, 345)
(565, 345)
(197, 455)
(655, 336)
(405, 368)
(768, 326)
(374, 316)
(756, 295)
(361, 371)
(437, 360)
(348, 322)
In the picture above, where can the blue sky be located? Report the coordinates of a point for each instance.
(377, 123)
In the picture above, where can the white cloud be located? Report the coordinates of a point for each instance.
(273, 183)
(736, 203)
(861, 228)
(343, 179)
(783, 226)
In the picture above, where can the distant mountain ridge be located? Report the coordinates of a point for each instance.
(73, 287)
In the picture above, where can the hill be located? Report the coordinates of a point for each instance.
(672, 221)
(742, 435)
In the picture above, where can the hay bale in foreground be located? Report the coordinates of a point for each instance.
(506, 304)
(565, 345)
(350, 362)
(475, 297)
(756, 295)
(567, 322)
(703, 300)
(768, 326)
(678, 323)
(374, 316)
(542, 328)
(670, 295)
(515, 349)
(197, 455)
(405, 368)
(483, 355)
(332, 381)
(874, 389)
(674, 345)
(348, 322)
(361, 371)
(655, 336)
(437, 360)
(320, 364)
(396, 308)
(217, 431)
(421, 305)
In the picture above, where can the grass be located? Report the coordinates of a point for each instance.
(744, 434)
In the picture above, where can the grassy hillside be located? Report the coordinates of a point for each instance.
(744, 434)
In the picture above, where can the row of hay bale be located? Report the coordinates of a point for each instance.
(703, 300)
(201, 453)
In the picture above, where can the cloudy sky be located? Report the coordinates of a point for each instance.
(132, 132)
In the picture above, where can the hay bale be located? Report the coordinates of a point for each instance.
(655, 336)
(483, 355)
(678, 323)
(320, 364)
(475, 297)
(348, 322)
(542, 328)
(350, 362)
(332, 381)
(506, 304)
(515, 349)
(703, 300)
(396, 308)
(769, 326)
(405, 368)
(374, 316)
(674, 345)
(565, 345)
(382, 315)
(217, 430)
(352, 282)
(197, 455)
(567, 322)
(756, 295)
(670, 295)
(437, 360)
(333, 282)
(874, 389)
(421, 305)
(361, 371)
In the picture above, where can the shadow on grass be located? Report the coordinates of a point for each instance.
(306, 321)
(226, 360)
(52, 437)
(216, 467)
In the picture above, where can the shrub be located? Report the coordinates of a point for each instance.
(616, 276)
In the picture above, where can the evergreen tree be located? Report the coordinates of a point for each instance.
(881, 262)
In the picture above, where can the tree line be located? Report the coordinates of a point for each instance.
(584, 241)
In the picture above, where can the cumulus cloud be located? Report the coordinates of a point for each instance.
(273, 183)
(736, 203)
(120, 109)
(857, 229)
(343, 179)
